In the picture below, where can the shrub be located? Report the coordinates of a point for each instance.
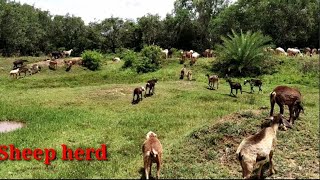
(151, 59)
(91, 59)
(130, 59)
(243, 55)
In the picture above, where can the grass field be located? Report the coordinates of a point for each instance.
(200, 129)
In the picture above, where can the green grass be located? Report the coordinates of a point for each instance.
(82, 108)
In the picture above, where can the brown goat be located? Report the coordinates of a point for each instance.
(138, 92)
(152, 153)
(284, 95)
(185, 72)
(53, 64)
(214, 79)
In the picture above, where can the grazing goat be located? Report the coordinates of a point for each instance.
(53, 65)
(138, 92)
(284, 95)
(234, 85)
(185, 72)
(18, 62)
(116, 59)
(35, 68)
(152, 153)
(253, 82)
(207, 53)
(293, 52)
(67, 53)
(69, 65)
(25, 70)
(14, 73)
(258, 148)
(57, 54)
(281, 51)
(214, 79)
(151, 85)
(314, 51)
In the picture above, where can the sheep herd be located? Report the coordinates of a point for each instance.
(253, 150)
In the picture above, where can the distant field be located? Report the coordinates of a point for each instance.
(196, 126)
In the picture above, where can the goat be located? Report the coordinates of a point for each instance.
(14, 73)
(18, 62)
(185, 72)
(207, 53)
(53, 65)
(151, 85)
(280, 50)
(24, 70)
(284, 95)
(138, 92)
(293, 52)
(67, 53)
(234, 85)
(152, 153)
(69, 65)
(165, 52)
(57, 54)
(253, 82)
(35, 68)
(212, 80)
(257, 148)
(314, 51)
(116, 59)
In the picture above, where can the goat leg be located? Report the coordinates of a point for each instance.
(271, 168)
(158, 170)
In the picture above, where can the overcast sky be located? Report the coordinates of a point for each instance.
(92, 10)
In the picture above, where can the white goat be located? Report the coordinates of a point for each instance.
(280, 50)
(257, 148)
(14, 72)
(67, 53)
(166, 51)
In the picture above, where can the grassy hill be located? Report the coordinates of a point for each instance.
(200, 129)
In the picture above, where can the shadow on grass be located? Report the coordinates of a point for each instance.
(143, 175)
(134, 102)
(148, 95)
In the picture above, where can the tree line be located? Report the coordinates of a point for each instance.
(193, 24)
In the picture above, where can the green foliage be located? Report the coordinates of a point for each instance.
(130, 58)
(151, 59)
(92, 59)
(242, 55)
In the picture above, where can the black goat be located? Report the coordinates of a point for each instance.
(234, 85)
(253, 82)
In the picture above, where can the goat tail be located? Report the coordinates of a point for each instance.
(272, 96)
(154, 152)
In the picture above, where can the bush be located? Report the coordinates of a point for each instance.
(243, 55)
(130, 59)
(91, 59)
(151, 59)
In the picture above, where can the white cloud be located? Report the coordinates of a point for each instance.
(91, 10)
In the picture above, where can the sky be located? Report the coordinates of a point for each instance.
(95, 10)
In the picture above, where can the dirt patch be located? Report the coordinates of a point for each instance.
(8, 126)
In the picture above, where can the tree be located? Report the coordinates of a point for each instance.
(243, 54)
